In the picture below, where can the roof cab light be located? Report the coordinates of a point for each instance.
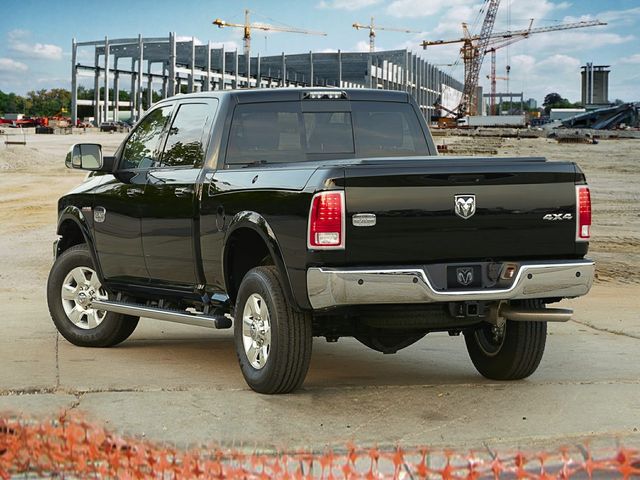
(583, 214)
(325, 95)
(326, 221)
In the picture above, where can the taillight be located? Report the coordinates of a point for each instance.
(326, 221)
(583, 214)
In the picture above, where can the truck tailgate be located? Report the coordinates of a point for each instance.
(502, 204)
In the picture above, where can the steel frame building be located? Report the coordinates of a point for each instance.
(173, 66)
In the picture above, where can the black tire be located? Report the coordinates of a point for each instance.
(115, 328)
(514, 355)
(289, 355)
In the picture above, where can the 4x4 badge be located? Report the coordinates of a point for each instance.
(465, 205)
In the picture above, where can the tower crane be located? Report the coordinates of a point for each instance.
(471, 45)
(247, 26)
(372, 27)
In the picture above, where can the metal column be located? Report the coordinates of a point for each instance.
(339, 69)
(192, 63)
(140, 73)
(149, 86)
(116, 90)
(106, 79)
(222, 68)
(74, 83)
(258, 72)
(284, 71)
(208, 66)
(311, 69)
(96, 90)
(172, 65)
(165, 81)
(132, 94)
(235, 69)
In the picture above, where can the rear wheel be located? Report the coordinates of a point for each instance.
(512, 352)
(273, 341)
(73, 283)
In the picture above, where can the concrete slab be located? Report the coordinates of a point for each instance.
(28, 346)
(461, 416)
(597, 311)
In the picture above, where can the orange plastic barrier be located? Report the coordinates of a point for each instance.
(70, 447)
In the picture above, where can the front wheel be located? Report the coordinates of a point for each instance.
(512, 352)
(73, 283)
(273, 341)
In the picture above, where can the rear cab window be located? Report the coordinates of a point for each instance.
(282, 132)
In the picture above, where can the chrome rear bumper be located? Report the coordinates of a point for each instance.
(329, 287)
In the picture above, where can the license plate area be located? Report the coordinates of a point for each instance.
(464, 277)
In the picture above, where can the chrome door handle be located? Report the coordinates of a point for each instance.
(183, 191)
(134, 192)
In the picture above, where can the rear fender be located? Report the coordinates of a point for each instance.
(257, 223)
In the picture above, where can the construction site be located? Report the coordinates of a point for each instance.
(170, 402)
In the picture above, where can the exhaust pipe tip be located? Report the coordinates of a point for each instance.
(536, 315)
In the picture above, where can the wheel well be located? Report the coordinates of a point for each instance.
(245, 250)
(70, 235)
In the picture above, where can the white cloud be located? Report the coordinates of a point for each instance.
(576, 40)
(185, 38)
(11, 66)
(346, 4)
(611, 16)
(228, 45)
(18, 42)
(362, 46)
(631, 59)
(422, 8)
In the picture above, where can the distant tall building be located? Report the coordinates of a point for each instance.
(531, 104)
(595, 84)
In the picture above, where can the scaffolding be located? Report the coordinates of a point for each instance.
(171, 66)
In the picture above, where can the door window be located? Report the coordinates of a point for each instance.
(142, 148)
(186, 139)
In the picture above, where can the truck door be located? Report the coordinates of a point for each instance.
(118, 201)
(170, 234)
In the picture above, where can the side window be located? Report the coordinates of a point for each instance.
(185, 142)
(142, 147)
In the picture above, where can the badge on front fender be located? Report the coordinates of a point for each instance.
(99, 214)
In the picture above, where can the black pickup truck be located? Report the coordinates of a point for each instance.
(294, 213)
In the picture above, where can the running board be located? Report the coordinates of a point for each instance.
(536, 315)
(175, 316)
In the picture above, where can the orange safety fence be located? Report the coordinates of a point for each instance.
(68, 446)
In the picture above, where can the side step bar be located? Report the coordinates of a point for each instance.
(533, 315)
(175, 316)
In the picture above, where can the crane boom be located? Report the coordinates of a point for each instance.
(515, 33)
(473, 48)
(474, 55)
(247, 26)
(372, 27)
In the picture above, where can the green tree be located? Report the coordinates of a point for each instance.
(555, 100)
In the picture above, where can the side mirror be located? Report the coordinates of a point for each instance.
(85, 156)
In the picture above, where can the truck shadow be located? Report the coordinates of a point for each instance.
(209, 361)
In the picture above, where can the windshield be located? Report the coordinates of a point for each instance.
(282, 132)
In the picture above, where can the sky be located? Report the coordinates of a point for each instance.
(36, 36)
